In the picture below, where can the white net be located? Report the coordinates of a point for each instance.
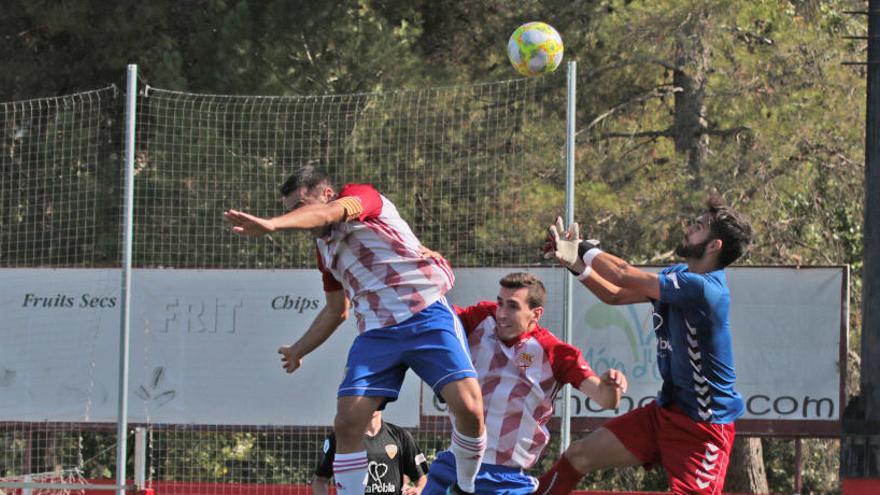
(40, 483)
(467, 166)
(442, 155)
(55, 181)
(58, 190)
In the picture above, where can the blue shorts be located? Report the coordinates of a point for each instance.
(431, 342)
(491, 478)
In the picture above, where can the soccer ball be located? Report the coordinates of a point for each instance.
(535, 48)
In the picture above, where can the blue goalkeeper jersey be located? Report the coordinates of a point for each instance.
(694, 347)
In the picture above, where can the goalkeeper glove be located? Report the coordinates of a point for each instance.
(562, 244)
(567, 247)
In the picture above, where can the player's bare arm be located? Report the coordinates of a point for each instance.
(334, 312)
(605, 390)
(609, 293)
(638, 284)
(305, 217)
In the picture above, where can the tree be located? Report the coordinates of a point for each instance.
(748, 475)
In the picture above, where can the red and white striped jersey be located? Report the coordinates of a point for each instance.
(520, 380)
(374, 256)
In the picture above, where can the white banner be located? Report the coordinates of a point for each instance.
(203, 345)
(203, 348)
(786, 326)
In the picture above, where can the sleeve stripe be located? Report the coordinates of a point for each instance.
(352, 206)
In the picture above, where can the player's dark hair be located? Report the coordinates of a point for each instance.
(522, 280)
(731, 227)
(307, 176)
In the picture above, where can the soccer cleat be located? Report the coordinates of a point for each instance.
(455, 490)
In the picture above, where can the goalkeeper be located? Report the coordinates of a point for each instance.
(689, 429)
(369, 258)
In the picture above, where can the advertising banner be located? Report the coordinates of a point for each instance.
(204, 344)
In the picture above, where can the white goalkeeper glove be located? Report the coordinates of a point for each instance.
(566, 246)
(562, 243)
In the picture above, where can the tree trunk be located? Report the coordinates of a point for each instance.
(746, 471)
(689, 120)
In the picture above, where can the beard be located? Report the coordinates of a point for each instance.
(692, 251)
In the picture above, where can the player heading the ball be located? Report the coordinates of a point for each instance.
(370, 259)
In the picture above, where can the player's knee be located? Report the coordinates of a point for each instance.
(471, 412)
(469, 417)
(468, 405)
(347, 427)
(582, 456)
(474, 409)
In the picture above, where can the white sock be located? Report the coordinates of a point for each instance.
(468, 452)
(350, 473)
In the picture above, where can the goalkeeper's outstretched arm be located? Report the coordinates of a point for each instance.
(609, 293)
(636, 285)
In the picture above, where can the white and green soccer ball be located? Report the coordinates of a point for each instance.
(535, 48)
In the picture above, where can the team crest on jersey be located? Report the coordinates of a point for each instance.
(524, 360)
(391, 450)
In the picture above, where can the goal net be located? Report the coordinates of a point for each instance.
(476, 170)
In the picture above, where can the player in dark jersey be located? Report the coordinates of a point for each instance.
(395, 461)
(689, 429)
